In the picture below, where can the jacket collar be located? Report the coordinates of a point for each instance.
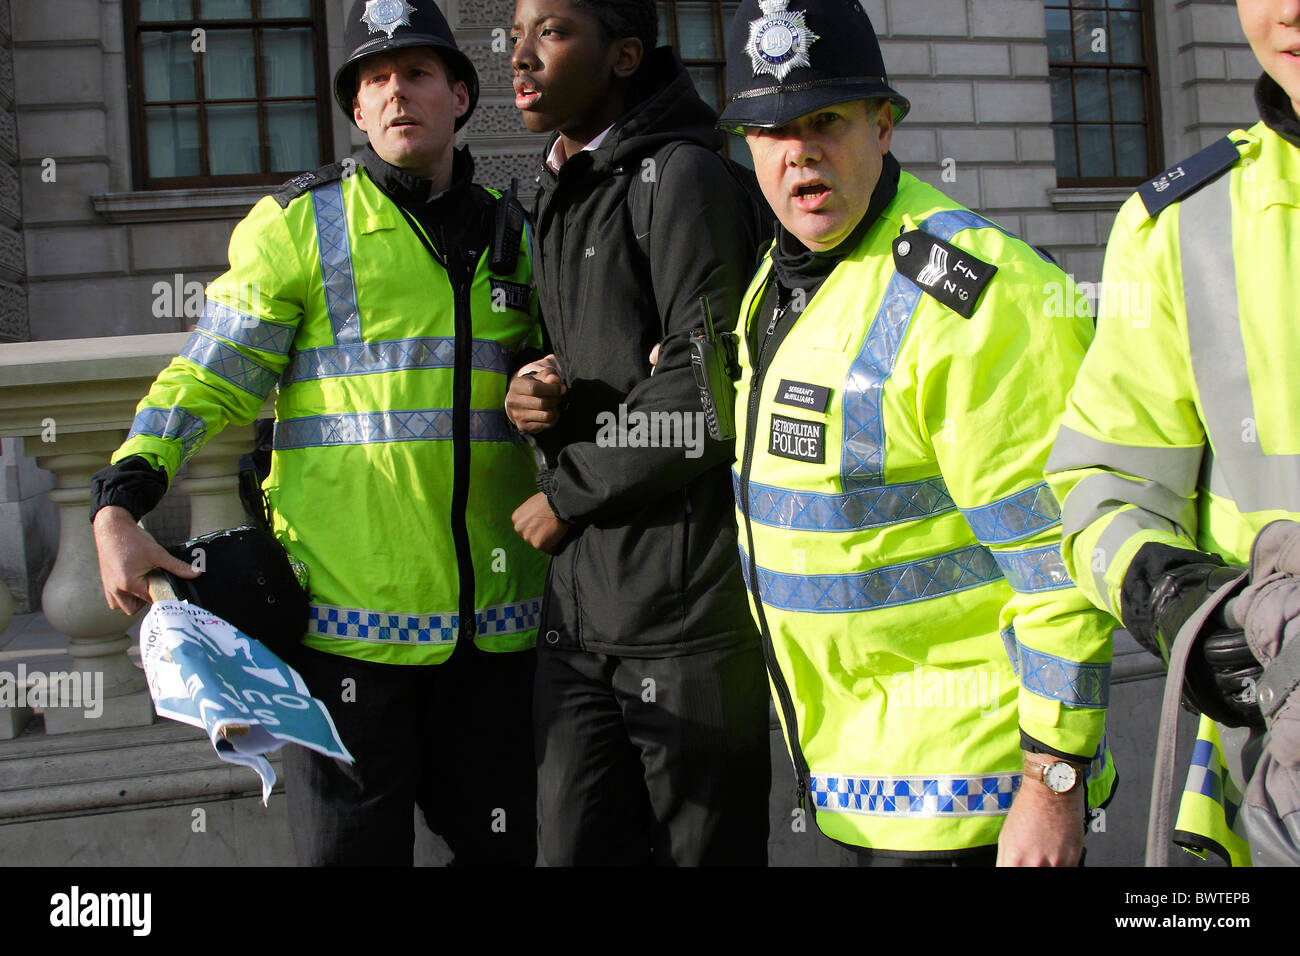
(413, 192)
(1276, 111)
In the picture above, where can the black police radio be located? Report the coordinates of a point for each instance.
(715, 362)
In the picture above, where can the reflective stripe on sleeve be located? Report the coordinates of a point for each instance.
(1034, 570)
(169, 423)
(1017, 516)
(228, 363)
(1122, 527)
(1098, 494)
(1172, 466)
(244, 329)
(365, 428)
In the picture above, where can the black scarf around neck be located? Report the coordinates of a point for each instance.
(797, 266)
(1276, 111)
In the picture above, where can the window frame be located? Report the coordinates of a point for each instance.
(1150, 92)
(134, 29)
(669, 8)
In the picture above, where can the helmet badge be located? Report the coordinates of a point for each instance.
(387, 15)
(780, 40)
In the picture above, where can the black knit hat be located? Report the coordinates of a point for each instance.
(378, 26)
(787, 58)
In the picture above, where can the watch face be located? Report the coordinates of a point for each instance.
(1060, 776)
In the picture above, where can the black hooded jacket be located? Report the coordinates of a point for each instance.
(650, 566)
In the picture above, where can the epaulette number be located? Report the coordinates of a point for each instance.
(952, 275)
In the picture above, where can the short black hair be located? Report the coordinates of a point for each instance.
(625, 18)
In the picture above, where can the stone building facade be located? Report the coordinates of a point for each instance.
(92, 254)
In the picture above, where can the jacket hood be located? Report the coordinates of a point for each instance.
(666, 108)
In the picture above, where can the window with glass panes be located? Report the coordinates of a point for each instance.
(226, 92)
(699, 30)
(1104, 100)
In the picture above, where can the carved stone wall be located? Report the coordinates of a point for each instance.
(13, 269)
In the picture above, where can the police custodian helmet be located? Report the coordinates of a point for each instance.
(377, 26)
(787, 58)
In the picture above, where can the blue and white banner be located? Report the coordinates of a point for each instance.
(205, 672)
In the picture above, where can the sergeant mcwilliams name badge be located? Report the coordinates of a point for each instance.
(387, 15)
(779, 42)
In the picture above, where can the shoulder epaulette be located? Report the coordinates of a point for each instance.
(952, 275)
(300, 184)
(1179, 182)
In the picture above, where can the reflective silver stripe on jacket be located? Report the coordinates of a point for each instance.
(228, 363)
(923, 580)
(244, 329)
(1071, 682)
(336, 262)
(1017, 516)
(386, 627)
(1240, 470)
(172, 422)
(868, 508)
(366, 358)
(962, 795)
(1034, 570)
(365, 428)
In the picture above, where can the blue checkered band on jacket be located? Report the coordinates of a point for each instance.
(384, 627)
(366, 358)
(228, 363)
(908, 583)
(171, 423)
(863, 451)
(1016, 516)
(244, 329)
(1208, 776)
(1034, 570)
(980, 795)
(336, 262)
(368, 428)
(856, 510)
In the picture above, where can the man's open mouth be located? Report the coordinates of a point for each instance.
(526, 93)
(810, 190)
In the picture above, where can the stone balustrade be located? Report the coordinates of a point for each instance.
(72, 402)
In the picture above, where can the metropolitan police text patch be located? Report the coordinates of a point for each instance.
(953, 276)
(799, 441)
(815, 398)
(513, 295)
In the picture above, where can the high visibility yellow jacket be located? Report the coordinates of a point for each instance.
(394, 471)
(1183, 427)
(901, 547)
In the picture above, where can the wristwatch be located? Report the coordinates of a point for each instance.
(1057, 775)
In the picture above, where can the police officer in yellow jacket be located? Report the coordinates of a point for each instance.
(941, 682)
(375, 297)
(1181, 440)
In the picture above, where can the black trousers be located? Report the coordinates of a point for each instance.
(652, 761)
(454, 739)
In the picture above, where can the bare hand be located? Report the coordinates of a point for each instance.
(536, 523)
(127, 553)
(654, 358)
(533, 399)
(1043, 828)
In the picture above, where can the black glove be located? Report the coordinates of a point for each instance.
(1162, 589)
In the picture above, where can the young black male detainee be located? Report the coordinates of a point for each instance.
(651, 703)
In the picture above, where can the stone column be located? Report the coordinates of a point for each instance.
(212, 482)
(73, 600)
